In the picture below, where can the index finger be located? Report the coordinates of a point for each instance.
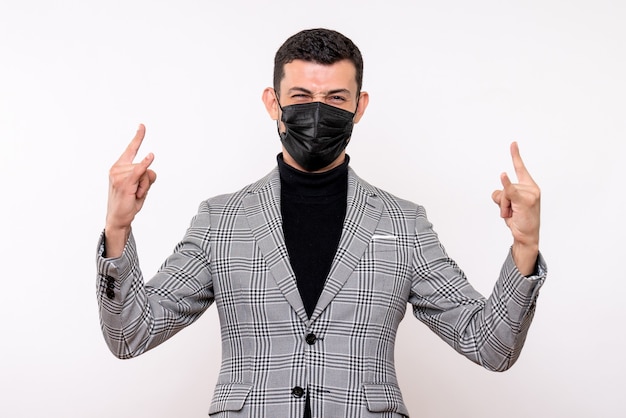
(131, 150)
(523, 176)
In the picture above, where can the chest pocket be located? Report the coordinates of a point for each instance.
(384, 243)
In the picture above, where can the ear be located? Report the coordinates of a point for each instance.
(271, 104)
(364, 99)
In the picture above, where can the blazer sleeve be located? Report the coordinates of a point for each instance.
(136, 317)
(489, 331)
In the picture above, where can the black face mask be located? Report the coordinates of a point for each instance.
(315, 133)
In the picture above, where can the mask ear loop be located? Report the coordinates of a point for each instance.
(280, 134)
(277, 100)
(358, 97)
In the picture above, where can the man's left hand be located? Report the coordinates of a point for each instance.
(520, 207)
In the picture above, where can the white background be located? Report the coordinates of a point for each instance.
(452, 83)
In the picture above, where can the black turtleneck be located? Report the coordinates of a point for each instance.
(313, 207)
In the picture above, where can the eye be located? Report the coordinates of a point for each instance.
(336, 99)
(300, 97)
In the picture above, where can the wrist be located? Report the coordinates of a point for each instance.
(115, 239)
(525, 257)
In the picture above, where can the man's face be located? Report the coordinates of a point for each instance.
(306, 81)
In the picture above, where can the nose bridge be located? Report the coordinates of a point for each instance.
(319, 96)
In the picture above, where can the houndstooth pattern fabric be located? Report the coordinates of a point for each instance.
(234, 255)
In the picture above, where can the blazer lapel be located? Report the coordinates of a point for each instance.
(363, 212)
(262, 208)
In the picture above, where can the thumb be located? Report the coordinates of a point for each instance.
(495, 196)
(147, 177)
(145, 181)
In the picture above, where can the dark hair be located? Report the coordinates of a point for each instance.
(323, 46)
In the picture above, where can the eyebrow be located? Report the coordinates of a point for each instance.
(328, 93)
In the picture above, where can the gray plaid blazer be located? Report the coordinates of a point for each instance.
(234, 254)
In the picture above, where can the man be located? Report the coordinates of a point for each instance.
(311, 268)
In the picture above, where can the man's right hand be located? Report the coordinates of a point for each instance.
(128, 187)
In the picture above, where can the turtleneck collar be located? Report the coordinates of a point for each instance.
(298, 182)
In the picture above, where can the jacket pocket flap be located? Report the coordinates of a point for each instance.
(384, 397)
(229, 397)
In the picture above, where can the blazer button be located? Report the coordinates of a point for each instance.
(297, 392)
(110, 293)
(310, 339)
